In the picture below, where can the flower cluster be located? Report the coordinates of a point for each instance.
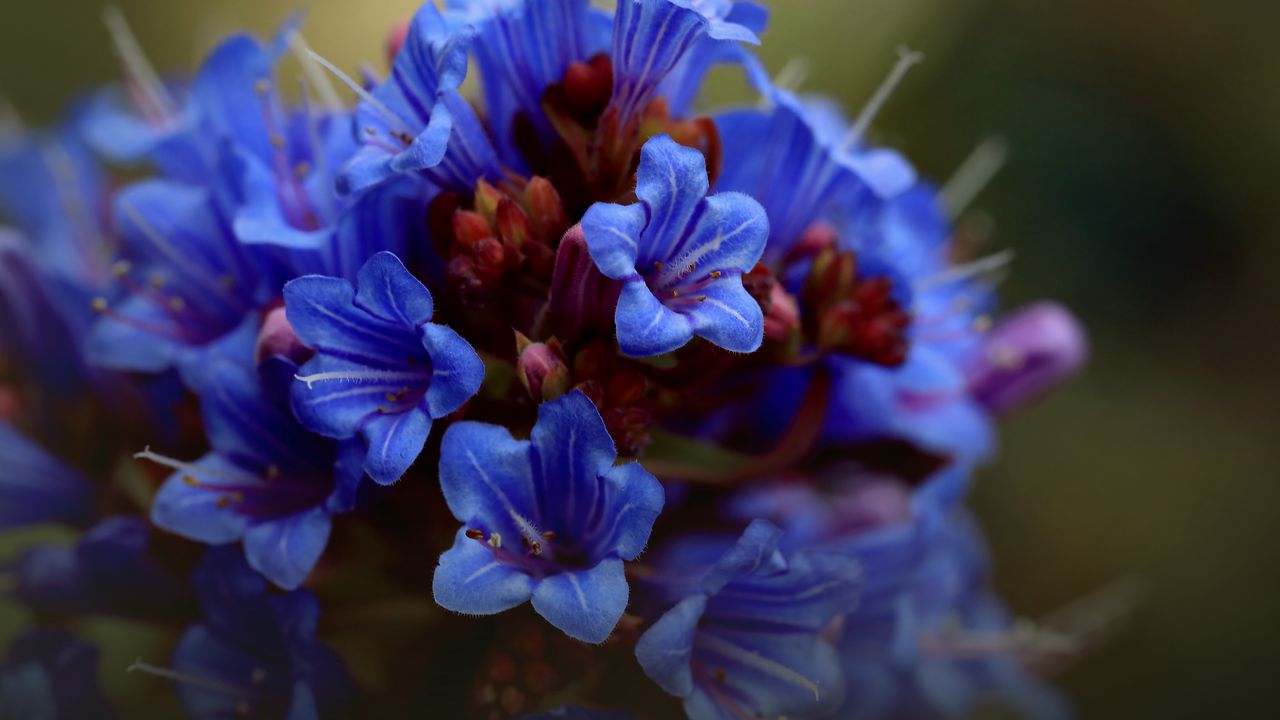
(652, 408)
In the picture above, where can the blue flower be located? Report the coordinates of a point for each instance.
(266, 481)
(652, 37)
(742, 640)
(680, 255)
(50, 675)
(549, 519)
(793, 157)
(255, 654)
(384, 370)
(946, 646)
(188, 282)
(521, 48)
(109, 570)
(36, 487)
(415, 121)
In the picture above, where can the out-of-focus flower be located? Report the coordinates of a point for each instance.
(266, 481)
(36, 487)
(1026, 355)
(111, 569)
(384, 370)
(680, 255)
(549, 519)
(50, 675)
(255, 654)
(744, 637)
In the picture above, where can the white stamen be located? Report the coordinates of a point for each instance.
(495, 540)
(973, 175)
(315, 75)
(907, 59)
(358, 375)
(1092, 618)
(794, 73)
(752, 659)
(191, 469)
(206, 683)
(136, 65)
(355, 87)
(981, 266)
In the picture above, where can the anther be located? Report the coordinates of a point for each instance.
(701, 298)
(715, 274)
(658, 265)
(302, 169)
(495, 540)
(177, 304)
(99, 304)
(120, 268)
(973, 175)
(675, 293)
(475, 534)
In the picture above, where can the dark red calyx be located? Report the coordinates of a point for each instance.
(852, 314)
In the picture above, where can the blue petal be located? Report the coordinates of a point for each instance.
(486, 478)
(571, 449)
(523, 47)
(780, 674)
(671, 181)
(470, 580)
(36, 487)
(243, 423)
(388, 290)
(756, 550)
(199, 513)
(456, 370)
(613, 234)
(730, 235)
(395, 441)
(729, 316)
(225, 93)
(651, 37)
(201, 653)
(585, 604)
(816, 588)
(338, 409)
(645, 326)
(348, 470)
(286, 550)
(633, 500)
(665, 651)
(323, 314)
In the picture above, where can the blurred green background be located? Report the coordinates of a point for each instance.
(1146, 139)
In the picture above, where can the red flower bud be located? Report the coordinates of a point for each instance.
(276, 337)
(541, 368)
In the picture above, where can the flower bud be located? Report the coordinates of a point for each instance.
(276, 337)
(1026, 355)
(541, 368)
(782, 318)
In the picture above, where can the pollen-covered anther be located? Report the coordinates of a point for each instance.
(99, 304)
(475, 534)
(120, 268)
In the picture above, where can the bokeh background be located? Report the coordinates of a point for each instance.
(1145, 141)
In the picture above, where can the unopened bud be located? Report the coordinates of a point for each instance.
(782, 318)
(1026, 355)
(513, 225)
(545, 210)
(830, 278)
(541, 368)
(276, 337)
(469, 228)
(487, 199)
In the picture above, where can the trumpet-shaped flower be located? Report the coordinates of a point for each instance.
(549, 519)
(382, 369)
(680, 255)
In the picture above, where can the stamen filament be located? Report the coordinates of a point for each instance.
(212, 685)
(981, 266)
(752, 659)
(315, 76)
(136, 66)
(973, 175)
(355, 87)
(907, 59)
(358, 375)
